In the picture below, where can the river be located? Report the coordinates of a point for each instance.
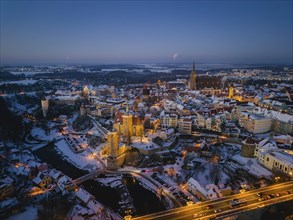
(144, 200)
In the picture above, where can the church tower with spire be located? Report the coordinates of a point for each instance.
(231, 91)
(192, 80)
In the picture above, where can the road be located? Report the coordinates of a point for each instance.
(200, 209)
(99, 127)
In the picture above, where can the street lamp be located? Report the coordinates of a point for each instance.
(190, 202)
(277, 178)
(128, 216)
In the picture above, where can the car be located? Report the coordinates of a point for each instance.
(197, 215)
(272, 195)
(277, 194)
(262, 198)
(210, 207)
(288, 192)
(259, 194)
(217, 210)
(260, 206)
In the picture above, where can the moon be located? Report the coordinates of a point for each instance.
(175, 55)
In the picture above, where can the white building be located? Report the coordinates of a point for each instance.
(277, 161)
(169, 121)
(210, 192)
(196, 189)
(185, 125)
(266, 144)
(255, 123)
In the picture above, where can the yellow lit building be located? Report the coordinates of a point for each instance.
(128, 125)
(231, 91)
(42, 180)
(115, 151)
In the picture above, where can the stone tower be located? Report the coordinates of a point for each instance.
(192, 80)
(248, 147)
(45, 106)
(113, 142)
(127, 126)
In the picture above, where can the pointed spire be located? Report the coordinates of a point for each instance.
(193, 66)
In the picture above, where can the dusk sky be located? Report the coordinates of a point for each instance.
(90, 32)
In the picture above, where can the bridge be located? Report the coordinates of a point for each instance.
(94, 174)
(218, 209)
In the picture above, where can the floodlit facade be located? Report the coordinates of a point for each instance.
(277, 161)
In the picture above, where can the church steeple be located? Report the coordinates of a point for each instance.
(192, 81)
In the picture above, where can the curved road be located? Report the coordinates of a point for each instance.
(200, 210)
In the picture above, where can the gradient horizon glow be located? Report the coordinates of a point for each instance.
(97, 32)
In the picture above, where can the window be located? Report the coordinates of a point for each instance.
(268, 159)
(285, 169)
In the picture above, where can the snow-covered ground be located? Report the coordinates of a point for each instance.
(253, 167)
(30, 213)
(40, 134)
(112, 182)
(84, 160)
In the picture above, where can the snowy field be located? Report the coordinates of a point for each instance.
(84, 160)
(39, 134)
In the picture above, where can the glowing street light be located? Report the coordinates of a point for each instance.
(128, 216)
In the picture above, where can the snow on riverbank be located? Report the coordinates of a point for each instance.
(151, 187)
(112, 182)
(84, 160)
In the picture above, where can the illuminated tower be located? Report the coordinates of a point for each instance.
(192, 80)
(127, 127)
(45, 106)
(113, 142)
(146, 92)
(231, 91)
(86, 91)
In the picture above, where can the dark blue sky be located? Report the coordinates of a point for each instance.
(146, 31)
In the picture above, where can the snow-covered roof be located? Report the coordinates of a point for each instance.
(196, 185)
(63, 181)
(37, 180)
(263, 142)
(284, 157)
(54, 173)
(83, 195)
(95, 206)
